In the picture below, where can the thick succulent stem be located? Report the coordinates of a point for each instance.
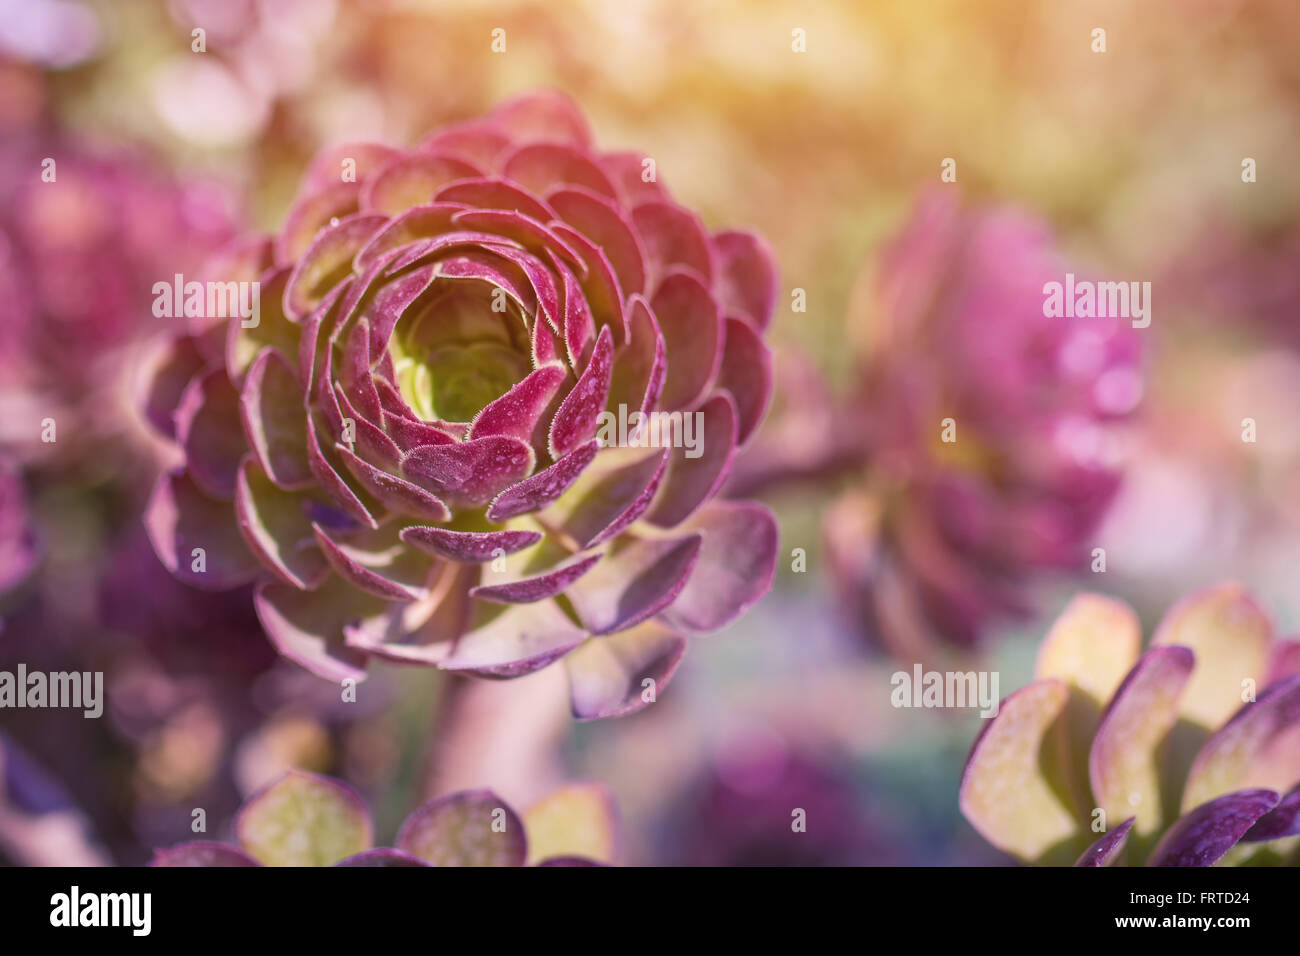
(505, 735)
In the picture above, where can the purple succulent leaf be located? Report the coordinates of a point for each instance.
(331, 481)
(327, 261)
(391, 300)
(746, 276)
(314, 343)
(637, 579)
(600, 288)
(377, 562)
(307, 627)
(409, 180)
(1108, 847)
(355, 373)
(1201, 837)
(471, 828)
(519, 640)
(475, 141)
(209, 429)
(302, 819)
(1122, 765)
(578, 329)
(610, 496)
(468, 546)
(575, 421)
(693, 479)
(607, 676)
(1282, 821)
(325, 398)
(276, 529)
(540, 279)
(693, 331)
(537, 587)
(546, 350)
(736, 566)
(270, 408)
(415, 225)
(405, 638)
(202, 853)
(311, 213)
(409, 432)
(541, 167)
(1259, 746)
(175, 365)
(181, 519)
(746, 374)
(516, 413)
(518, 228)
(539, 490)
(469, 473)
(396, 494)
(673, 237)
(479, 264)
(600, 220)
(272, 331)
(637, 381)
(626, 171)
(494, 193)
(370, 442)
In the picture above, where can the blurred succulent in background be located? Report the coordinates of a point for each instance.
(85, 232)
(40, 823)
(761, 803)
(1155, 750)
(1239, 277)
(307, 820)
(54, 34)
(19, 544)
(257, 54)
(982, 424)
(403, 451)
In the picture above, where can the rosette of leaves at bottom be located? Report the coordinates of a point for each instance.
(1185, 755)
(303, 819)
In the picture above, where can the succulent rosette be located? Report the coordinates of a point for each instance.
(303, 819)
(986, 428)
(406, 452)
(1154, 750)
